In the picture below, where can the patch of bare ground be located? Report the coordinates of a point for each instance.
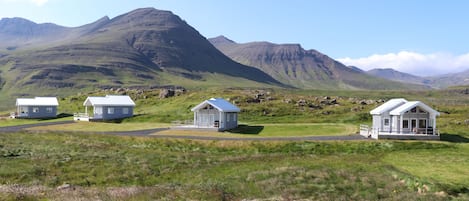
(67, 192)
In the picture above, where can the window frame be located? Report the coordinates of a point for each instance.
(408, 123)
(111, 110)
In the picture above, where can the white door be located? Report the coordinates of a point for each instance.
(211, 120)
(386, 124)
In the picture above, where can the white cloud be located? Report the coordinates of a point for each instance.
(413, 62)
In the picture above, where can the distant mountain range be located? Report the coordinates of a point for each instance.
(148, 47)
(295, 66)
(441, 81)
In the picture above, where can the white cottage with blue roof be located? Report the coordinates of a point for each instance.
(216, 113)
(402, 119)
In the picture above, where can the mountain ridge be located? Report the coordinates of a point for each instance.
(142, 47)
(292, 64)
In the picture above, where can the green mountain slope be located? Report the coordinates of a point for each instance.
(142, 47)
(292, 65)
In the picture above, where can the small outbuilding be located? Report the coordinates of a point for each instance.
(106, 108)
(36, 108)
(402, 119)
(216, 113)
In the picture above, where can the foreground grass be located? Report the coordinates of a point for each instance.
(146, 168)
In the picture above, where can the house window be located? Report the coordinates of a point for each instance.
(49, 109)
(405, 123)
(110, 110)
(235, 116)
(422, 123)
(228, 117)
(125, 110)
(422, 111)
(35, 109)
(386, 122)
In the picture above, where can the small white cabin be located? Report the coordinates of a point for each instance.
(107, 108)
(216, 113)
(36, 108)
(402, 119)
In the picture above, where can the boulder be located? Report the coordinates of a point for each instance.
(166, 93)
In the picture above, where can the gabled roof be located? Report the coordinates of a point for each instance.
(219, 103)
(409, 105)
(109, 100)
(388, 106)
(37, 101)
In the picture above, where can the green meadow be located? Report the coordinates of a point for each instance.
(35, 165)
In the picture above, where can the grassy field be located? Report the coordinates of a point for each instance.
(14, 122)
(258, 130)
(130, 168)
(33, 165)
(100, 127)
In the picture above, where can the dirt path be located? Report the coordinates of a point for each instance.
(149, 132)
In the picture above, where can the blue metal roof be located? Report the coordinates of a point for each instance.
(219, 103)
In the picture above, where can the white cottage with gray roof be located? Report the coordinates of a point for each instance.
(107, 108)
(36, 108)
(216, 113)
(402, 119)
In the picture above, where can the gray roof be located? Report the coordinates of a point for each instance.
(37, 101)
(388, 106)
(109, 100)
(219, 103)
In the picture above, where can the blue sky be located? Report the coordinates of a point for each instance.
(422, 37)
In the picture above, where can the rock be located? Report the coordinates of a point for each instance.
(327, 98)
(288, 101)
(65, 186)
(253, 100)
(466, 121)
(166, 93)
(369, 102)
(301, 102)
(333, 102)
(312, 106)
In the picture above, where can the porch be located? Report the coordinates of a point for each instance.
(15, 115)
(189, 125)
(416, 133)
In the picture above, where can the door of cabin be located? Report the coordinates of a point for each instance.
(413, 125)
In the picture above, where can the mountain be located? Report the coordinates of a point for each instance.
(143, 47)
(440, 81)
(293, 65)
(453, 79)
(391, 74)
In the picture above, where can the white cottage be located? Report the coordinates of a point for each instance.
(107, 108)
(216, 113)
(37, 108)
(402, 119)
